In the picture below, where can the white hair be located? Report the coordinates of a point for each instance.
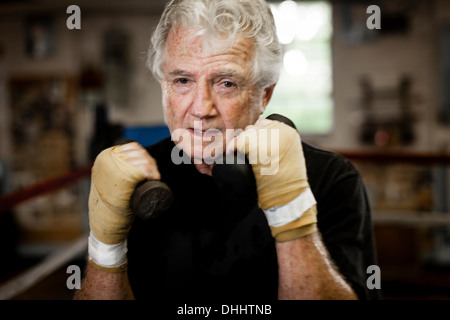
(215, 18)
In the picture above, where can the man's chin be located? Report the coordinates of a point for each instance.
(207, 160)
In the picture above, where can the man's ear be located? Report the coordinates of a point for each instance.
(267, 95)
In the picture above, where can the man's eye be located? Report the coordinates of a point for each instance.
(183, 81)
(228, 84)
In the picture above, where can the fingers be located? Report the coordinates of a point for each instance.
(248, 131)
(134, 154)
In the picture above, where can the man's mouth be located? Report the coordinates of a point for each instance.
(204, 133)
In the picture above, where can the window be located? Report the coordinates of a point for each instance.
(304, 90)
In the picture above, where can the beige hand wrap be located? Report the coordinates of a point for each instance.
(286, 179)
(112, 183)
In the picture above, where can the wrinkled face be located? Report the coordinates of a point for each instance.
(206, 92)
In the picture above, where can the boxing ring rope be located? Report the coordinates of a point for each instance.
(32, 276)
(391, 156)
(17, 197)
(55, 260)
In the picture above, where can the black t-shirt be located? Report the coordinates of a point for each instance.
(212, 246)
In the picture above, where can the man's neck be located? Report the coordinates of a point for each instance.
(204, 168)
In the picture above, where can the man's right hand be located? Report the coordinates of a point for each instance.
(115, 174)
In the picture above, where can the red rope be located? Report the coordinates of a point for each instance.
(15, 198)
(384, 157)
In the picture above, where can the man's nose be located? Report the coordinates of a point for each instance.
(203, 105)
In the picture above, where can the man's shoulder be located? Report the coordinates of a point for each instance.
(319, 156)
(327, 165)
(161, 147)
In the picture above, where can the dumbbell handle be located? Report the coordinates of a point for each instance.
(150, 198)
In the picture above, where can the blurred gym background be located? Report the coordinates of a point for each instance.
(380, 97)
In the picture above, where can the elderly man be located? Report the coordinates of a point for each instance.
(306, 234)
